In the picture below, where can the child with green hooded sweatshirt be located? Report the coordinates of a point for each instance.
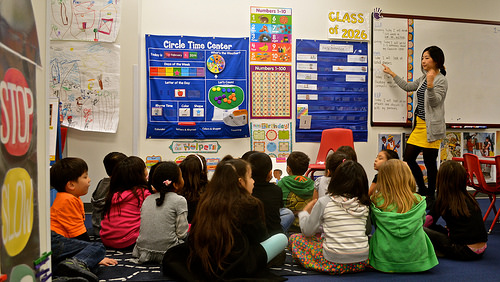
(297, 189)
(399, 243)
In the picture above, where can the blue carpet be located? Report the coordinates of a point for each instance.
(485, 269)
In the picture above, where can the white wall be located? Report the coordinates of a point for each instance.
(230, 18)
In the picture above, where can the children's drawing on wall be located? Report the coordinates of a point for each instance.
(86, 79)
(97, 20)
(390, 141)
(450, 146)
(274, 139)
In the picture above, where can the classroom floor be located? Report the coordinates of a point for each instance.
(485, 269)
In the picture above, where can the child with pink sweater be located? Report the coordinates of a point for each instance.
(122, 211)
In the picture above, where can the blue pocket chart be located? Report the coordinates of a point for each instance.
(331, 88)
(197, 87)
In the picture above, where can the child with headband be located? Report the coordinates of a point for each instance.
(164, 212)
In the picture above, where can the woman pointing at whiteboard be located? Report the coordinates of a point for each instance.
(429, 124)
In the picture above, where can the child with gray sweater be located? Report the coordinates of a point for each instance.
(163, 212)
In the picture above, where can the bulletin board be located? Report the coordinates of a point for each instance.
(331, 89)
(197, 87)
(469, 47)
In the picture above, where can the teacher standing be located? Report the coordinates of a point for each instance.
(429, 124)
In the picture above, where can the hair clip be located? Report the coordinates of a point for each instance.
(167, 182)
(343, 160)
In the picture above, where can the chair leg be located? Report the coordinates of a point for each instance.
(496, 216)
(492, 204)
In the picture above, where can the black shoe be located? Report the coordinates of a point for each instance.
(74, 268)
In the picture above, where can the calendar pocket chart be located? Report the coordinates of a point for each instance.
(197, 87)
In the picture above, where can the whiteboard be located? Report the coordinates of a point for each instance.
(472, 62)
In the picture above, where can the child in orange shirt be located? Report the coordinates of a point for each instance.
(72, 253)
(67, 217)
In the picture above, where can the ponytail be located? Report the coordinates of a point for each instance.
(443, 70)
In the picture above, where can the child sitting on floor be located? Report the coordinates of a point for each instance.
(195, 175)
(227, 239)
(100, 193)
(381, 158)
(343, 214)
(269, 193)
(464, 237)
(349, 151)
(321, 183)
(122, 211)
(297, 189)
(72, 253)
(163, 213)
(399, 243)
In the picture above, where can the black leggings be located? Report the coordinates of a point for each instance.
(444, 247)
(430, 155)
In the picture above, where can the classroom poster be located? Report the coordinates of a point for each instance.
(197, 87)
(272, 138)
(96, 20)
(19, 57)
(270, 34)
(390, 141)
(332, 87)
(271, 88)
(451, 146)
(85, 76)
(479, 143)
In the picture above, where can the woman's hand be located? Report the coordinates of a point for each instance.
(388, 70)
(431, 74)
(308, 208)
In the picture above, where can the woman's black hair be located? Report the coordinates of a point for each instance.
(349, 180)
(163, 178)
(437, 56)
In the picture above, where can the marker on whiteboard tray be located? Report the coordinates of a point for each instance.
(476, 126)
(187, 123)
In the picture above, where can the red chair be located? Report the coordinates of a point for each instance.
(331, 140)
(477, 181)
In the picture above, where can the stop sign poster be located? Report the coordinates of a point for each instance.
(19, 58)
(197, 87)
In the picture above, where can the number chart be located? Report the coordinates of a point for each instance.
(270, 91)
(271, 35)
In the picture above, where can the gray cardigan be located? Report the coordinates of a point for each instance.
(433, 103)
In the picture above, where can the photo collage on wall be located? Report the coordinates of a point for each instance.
(454, 145)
